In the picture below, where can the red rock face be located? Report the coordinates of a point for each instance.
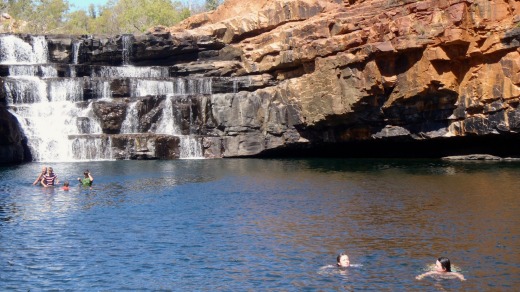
(364, 70)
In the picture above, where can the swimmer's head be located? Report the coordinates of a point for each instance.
(66, 184)
(443, 264)
(343, 260)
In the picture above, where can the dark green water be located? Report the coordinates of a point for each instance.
(257, 225)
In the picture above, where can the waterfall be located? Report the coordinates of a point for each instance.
(46, 127)
(23, 70)
(166, 124)
(175, 86)
(14, 50)
(92, 148)
(25, 90)
(235, 85)
(45, 71)
(46, 106)
(58, 112)
(191, 147)
(75, 52)
(152, 87)
(48, 71)
(40, 49)
(131, 122)
(66, 90)
(127, 48)
(129, 71)
(102, 88)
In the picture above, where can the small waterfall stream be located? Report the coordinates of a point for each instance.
(75, 52)
(60, 115)
(127, 48)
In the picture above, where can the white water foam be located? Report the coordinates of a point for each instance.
(48, 123)
(175, 86)
(127, 48)
(191, 147)
(130, 71)
(166, 124)
(92, 148)
(25, 89)
(51, 109)
(14, 50)
(131, 122)
(66, 90)
(75, 51)
(102, 88)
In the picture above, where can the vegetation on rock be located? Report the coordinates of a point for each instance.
(116, 17)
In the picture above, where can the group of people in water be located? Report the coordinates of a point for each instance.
(47, 178)
(442, 268)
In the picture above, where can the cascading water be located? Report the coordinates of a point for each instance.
(14, 50)
(127, 48)
(131, 123)
(44, 105)
(166, 125)
(129, 71)
(175, 87)
(75, 52)
(190, 146)
(41, 50)
(57, 113)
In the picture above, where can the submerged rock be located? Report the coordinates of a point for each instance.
(473, 157)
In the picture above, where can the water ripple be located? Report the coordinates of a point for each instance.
(259, 225)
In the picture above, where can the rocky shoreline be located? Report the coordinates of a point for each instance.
(485, 157)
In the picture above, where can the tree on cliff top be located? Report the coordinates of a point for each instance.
(136, 16)
(212, 4)
(116, 17)
(39, 17)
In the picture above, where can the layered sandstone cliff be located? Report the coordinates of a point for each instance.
(376, 70)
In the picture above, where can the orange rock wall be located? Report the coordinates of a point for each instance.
(367, 68)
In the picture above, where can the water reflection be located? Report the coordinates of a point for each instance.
(260, 225)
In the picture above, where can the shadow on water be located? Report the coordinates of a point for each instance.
(411, 166)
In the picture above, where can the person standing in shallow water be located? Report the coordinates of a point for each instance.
(40, 176)
(442, 268)
(50, 179)
(343, 260)
(87, 180)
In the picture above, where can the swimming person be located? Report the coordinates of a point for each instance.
(87, 180)
(343, 260)
(50, 179)
(40, 176)
(65, 186)
(443, 269)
